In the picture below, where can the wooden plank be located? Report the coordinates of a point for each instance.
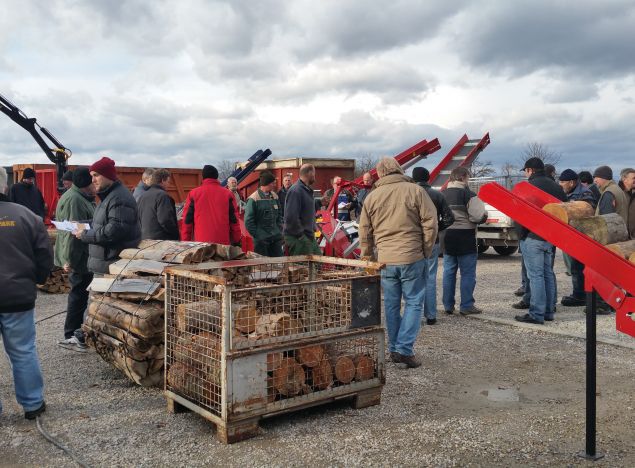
(126, 285)
(131, 267)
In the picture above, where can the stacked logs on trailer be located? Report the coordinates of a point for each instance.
(605, 229)
(125, 320)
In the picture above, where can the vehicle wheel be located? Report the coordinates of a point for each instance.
(505, 250)
(482, 247)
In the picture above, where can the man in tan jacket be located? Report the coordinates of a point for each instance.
(399, 221)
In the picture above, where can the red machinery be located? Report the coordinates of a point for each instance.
(462, 154)
(605, 273)
(337, 242)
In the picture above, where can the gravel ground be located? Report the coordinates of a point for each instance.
(497, 279)
(488, 394)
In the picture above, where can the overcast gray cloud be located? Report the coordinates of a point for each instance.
(589, 38)
(194, 81)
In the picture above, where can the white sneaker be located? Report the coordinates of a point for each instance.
(73, 344)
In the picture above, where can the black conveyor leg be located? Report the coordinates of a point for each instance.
(590, 452)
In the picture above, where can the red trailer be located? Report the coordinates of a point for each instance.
(181, 182)
(325, 170)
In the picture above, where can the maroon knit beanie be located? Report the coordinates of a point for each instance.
(105, 167)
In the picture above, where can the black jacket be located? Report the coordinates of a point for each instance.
(282, 196)
(157, 215)
(28, 195)
(115, 227)
(445, 217)
(27, 256)
(548, 185)
(299, 211)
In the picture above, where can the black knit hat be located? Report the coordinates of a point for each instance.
(266, 178)
(534, 163)
(68, 175)
(82, 177)
(210, 172)
(420, 174)
(603, 172)
(568, 174)
(28, 173)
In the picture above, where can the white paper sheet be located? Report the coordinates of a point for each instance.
(69, 226)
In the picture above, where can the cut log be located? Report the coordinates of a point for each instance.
(310, 356)
(274, 360)
(570, 210)
(344, 369)
(289, 378)
(187, 381)
(169, 251)
(632, 260)
(193, 317)
(623, 249)
(152, 353)
(364, 368)
(206, 356)
(322, 375)
(278, 325)
(605, 229)
(245, 318)
(112, 352)
(145, 321)
(131, 340)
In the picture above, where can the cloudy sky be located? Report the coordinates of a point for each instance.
(188, 82)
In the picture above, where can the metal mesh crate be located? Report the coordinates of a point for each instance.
(236, 390)
(254, 337)
(260, 302)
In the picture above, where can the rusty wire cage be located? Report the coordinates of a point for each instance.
(254, 337)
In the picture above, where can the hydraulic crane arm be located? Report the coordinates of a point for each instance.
(57, 155)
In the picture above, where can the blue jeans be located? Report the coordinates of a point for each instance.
(430, 299)
(538, 259)
(527, 286)
(407, 281)
(466, 264)
(18, 335)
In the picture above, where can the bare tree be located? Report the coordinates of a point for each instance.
(540, 150)
(364, 164)
(225, 168)
(509, 169)
(482, 168)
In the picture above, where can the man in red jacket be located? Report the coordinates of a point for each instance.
(210, 212)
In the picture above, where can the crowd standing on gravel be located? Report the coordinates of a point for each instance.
(399, 225)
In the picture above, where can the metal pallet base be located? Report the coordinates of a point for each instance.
(229, 432)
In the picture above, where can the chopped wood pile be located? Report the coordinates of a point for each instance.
(125, 320)
(315, 368)
(56, 283)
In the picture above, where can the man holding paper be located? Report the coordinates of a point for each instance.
(115, 225)
(77, 206)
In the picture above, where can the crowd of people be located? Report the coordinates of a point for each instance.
(403, 223)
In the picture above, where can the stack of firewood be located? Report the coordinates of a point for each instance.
(125, 320)
(56, 283)
(314, 368)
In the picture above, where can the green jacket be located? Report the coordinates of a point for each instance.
(72, 206)
(263, 216)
